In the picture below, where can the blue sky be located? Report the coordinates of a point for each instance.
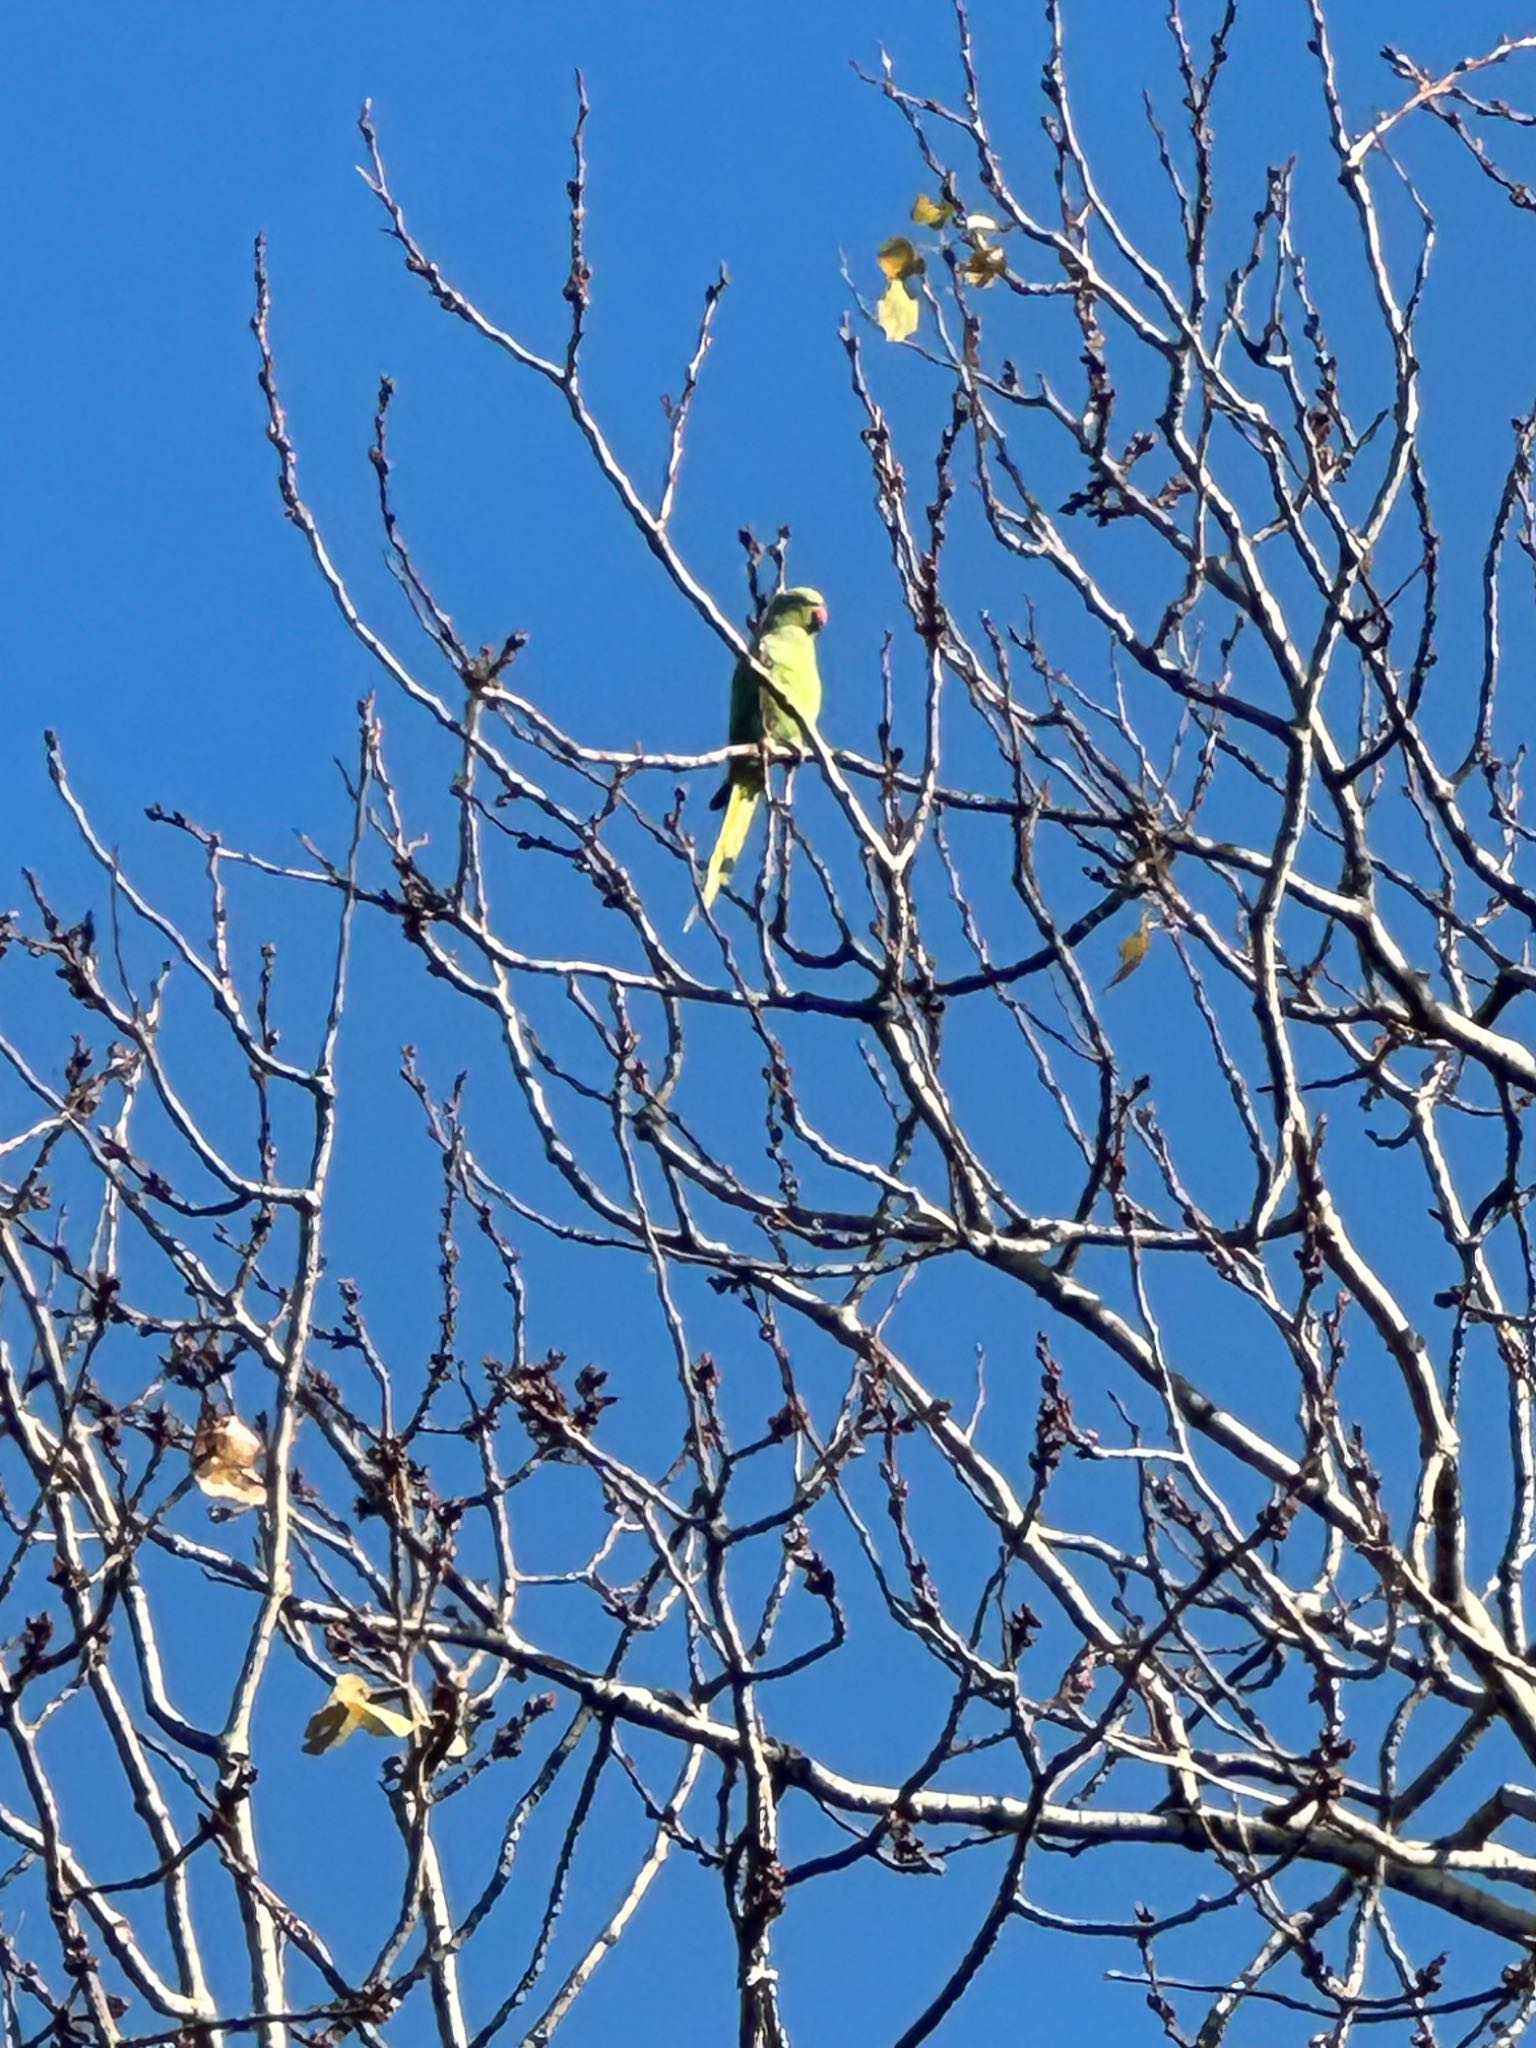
(162, 616)
(160, 612)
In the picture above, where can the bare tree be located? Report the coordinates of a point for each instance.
(1244, 1575)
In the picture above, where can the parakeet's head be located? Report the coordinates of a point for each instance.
(802, 607)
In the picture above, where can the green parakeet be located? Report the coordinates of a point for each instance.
(786, 647)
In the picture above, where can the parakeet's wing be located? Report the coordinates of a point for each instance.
(746, 706)
(746, 726)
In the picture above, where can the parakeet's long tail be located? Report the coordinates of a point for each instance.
(734, 827)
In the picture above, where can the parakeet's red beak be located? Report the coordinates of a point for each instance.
(818, 618)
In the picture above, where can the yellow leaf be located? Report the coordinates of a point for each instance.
(378, 1720)
(897, 311)
(1132, 950)
(898, 258)
(224, 1454)
(984, 265)
(931, 213)
(323, 1730)
(351, 1706)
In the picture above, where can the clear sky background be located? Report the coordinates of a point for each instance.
(162, 616)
